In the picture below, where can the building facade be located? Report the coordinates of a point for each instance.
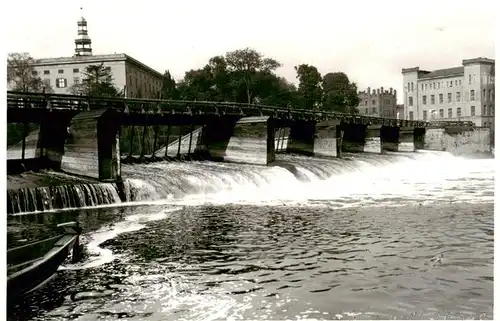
(378, 103)
(130, 75)
(464, 93)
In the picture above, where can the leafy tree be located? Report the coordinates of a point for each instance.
(21, 74)
(339, 94)
(169, 89)
(197, 85)
(97, 81)
(309, 86)
(245, 64)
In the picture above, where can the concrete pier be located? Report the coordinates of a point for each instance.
(328, 139)
(92, 148)
(373, 139)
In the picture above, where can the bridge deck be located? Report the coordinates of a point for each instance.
(22, 101)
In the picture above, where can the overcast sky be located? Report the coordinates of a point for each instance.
(368, 40)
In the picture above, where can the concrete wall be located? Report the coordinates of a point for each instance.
(241, 140)
(328, 139)
(92, 148)
(252, 141)
(459, 141)
(406, 139)
(373, 141)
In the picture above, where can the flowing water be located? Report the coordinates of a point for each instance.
(407, 236)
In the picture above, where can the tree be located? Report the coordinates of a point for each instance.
(97, 81)
(169, 89)
(21, 74)
(339, 94)
(309, 86)
(245, 64)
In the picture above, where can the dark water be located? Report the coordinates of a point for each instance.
(377, 242)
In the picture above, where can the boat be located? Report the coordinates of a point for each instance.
(31, 266)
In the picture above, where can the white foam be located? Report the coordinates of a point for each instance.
(99, 255)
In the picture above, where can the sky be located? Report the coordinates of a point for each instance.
(370, 41)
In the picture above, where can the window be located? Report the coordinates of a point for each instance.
(60, 71)
(76, 80)
(491, 111)
(456, 82)
(434, 85)
(46, 81)
(411, 115)
(410, 101)
(489, 95)
(451, 83)
(46, 72)
(422, 87)
(440, 98)
(34, 73)
(460, 82)
(473, 110)
(373, 102)
(425, 86)
(61, 82)
(458, 96)
(425, 114)
(484, 110)
(484, 93)
(366, 102)
(441, 113)
(449, 97)
(408, 86)
(472, 95)
(374, 110)
(433, 99)
(470, 79)
(439, 85)
(424, 99)
(366, 111)
(450, 113)
(459, 112)
(411, 86)
(76, 70)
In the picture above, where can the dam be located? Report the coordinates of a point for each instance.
(389, 227)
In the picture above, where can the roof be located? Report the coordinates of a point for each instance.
(443, 73)
(94, 59)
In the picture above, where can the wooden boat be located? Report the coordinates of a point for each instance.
(30, 266)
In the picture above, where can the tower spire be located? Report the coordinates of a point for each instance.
(82, 42)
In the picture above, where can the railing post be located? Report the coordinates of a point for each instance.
(142, 141)
(131, 145)
(169, 128)
(154, 141)
(179, 145)
(25, 133)
(190, 139)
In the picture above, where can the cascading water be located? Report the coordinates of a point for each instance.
(49, 198)
(385, 235)
(292, 179)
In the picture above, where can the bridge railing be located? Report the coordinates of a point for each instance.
(157, 106)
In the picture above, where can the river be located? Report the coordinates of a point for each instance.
(406, 236)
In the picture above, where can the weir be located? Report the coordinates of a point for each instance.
(90, 138)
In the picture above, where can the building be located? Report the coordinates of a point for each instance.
(378, 103)
(400, 111)
(461, 93)
(129, 74)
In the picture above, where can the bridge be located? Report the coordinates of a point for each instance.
(92, 136)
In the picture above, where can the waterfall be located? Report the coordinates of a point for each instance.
(48, 198)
